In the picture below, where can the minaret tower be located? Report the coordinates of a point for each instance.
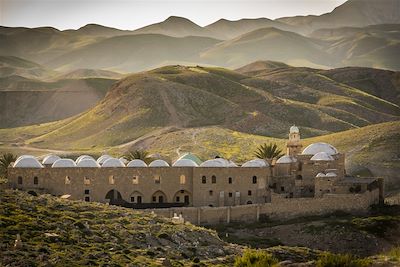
(294, 145)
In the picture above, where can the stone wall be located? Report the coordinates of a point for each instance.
(278, 209)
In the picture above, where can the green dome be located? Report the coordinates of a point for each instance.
(191, 157)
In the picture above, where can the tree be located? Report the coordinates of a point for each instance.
(138, 154)
(268, 152)
(5, 160)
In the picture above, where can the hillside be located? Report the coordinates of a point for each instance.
(64, 232)
(358, 13)
(45, 101)
(14, 66)
(229, 29)
(266, 105)
(132, 53)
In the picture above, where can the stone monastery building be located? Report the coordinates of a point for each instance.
(302, 173)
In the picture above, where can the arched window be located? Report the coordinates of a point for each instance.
(35, 180)
(182, 179)
(254, 179)
(213, 179)
(230, 180)
(203, 179)
(19, 179)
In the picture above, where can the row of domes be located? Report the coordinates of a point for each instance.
(320, 152)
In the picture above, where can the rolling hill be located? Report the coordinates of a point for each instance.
(265, 99)
(357, 13)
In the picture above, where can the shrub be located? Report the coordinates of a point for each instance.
(255, 258)
(394, 254)
(341, 260)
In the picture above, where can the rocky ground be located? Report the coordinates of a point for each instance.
(59, 232)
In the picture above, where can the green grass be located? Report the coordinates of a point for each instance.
(341, 260)
(254, 258)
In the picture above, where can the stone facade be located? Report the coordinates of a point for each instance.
(298, 176)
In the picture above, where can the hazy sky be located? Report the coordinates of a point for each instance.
(132, 14)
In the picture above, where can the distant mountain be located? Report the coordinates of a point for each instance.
(90, 73)
(356, 13)
(228, 29)
(271, 44)
(131, 53)
(98, 30)
(176, 27)
(14, 66)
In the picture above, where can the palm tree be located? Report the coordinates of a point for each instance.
(268, 152)
(138, 154)
(5, 160)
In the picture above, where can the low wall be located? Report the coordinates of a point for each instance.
(278, 209)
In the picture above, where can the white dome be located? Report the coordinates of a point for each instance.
(294, 129)
(331, 174)
(185, 163)
(103, 158)
(64, 163)
(319, 147)
(137, 163)
(27, 162)
(322, 156)
(286, 159)
(159, 163)
(320, 175)
(218, 162)
(256, 163)
(50, 159)
(88, 163)
(23, 157)
(112, 162)
(82, 157)
(123, 160)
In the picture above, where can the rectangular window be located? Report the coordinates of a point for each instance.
(230, 194)
(19, 179)
(157, 179)
(87, 199)
(154, 199)
(282, 188)
(135, 180)
(230, 180)
(203, 180)
(35, 180)
(87, 191)
(67, 180)
(213, 179)
(182, 179)
(139, 199)
(254, 179)
(249, 192)
(210, 192)
(86, 180)
(132, 199)
(111, 179)
(178, 199)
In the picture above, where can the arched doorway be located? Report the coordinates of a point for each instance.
(183, 196)
(114, 197)
(136, 197)
(159, 197)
